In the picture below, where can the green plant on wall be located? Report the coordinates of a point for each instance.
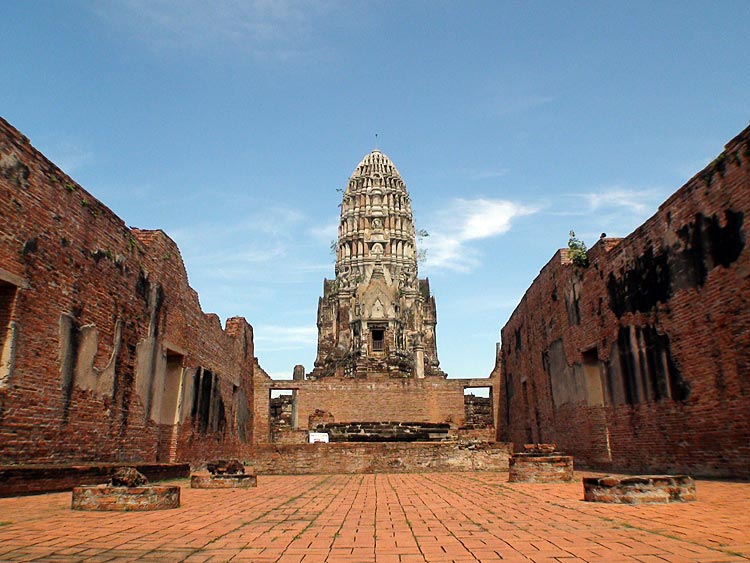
(577, 251)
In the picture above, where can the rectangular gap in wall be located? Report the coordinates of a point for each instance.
(168, 412)
(478, 407)
(378, 339)
(172, 385)
(282, 411)
(204, 400)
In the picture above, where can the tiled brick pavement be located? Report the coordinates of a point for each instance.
(436, 518)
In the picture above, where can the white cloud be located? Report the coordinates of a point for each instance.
(327, 231)
(267, 29)
(615, 210)
(272, 338)
(637, 200)
(465, 221)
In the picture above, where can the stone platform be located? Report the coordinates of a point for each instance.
(540, 468)
(241, 481)
(639, 489)
(540, 463)
(125, 499)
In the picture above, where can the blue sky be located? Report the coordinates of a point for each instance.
(231, 125)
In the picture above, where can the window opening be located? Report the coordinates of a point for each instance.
(478, 407)
(378, 339)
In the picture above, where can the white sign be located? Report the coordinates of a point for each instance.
(318, 437)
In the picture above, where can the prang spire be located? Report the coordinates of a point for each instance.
(376, 319)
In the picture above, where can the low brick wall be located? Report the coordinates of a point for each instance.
(291, 437)
(639, 489)
(223, 481)
(125, 499)
(380, 457)
(16, 480)
(486, 434)
(540, 468)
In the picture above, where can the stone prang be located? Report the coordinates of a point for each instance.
(377, 318)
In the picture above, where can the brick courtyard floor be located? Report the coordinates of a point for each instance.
(438, 518)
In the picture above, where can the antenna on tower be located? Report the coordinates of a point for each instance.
(376, 142)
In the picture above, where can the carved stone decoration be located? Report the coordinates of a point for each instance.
(376, 298)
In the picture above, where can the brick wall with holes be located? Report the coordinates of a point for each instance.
(106, 354)
(432, 399)
(636, 356)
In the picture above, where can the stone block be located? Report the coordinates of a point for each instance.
(125, 499)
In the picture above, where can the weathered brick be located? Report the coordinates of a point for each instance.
(641, 360)
(108, 338)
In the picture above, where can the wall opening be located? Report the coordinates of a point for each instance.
(282, 413)
(169, 415)
(378, 339)
(7, 331)
(478, 407)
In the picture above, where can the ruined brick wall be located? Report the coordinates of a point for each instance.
(432, 399)
(106, 354)
(641, 361)
(380, 457)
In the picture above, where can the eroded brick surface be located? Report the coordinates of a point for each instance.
(125, 499)
(641, 361)
(639, 489)
(537, 468)
(106, 353)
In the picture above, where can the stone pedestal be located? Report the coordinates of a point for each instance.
(106, 497)
(639, 489)
(540, 463)
(239, 481)
(225, 474)
(540, 468)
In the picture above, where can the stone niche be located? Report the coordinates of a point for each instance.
(639, 489)
(128, 490)
(225, 474)
(540, 463)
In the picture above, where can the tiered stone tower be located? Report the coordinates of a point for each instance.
(376, 319)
